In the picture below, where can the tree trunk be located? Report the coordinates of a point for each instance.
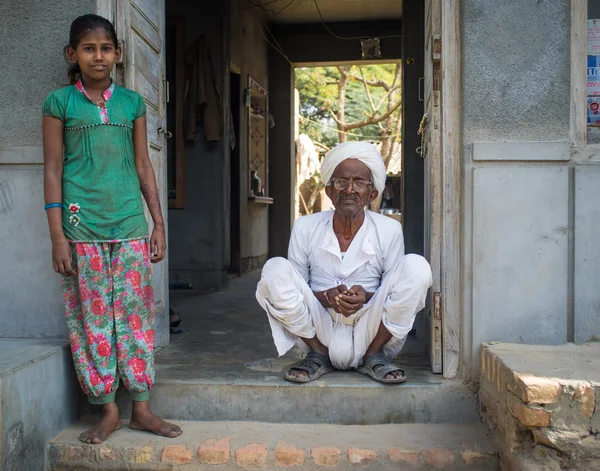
(341, 101)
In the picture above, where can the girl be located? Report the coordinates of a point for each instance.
(95, 164)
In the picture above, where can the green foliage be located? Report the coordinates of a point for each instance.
(318, 89)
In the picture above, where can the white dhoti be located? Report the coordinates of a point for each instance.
(294, 312)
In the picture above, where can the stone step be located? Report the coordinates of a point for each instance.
(263, 446)
(345, 398)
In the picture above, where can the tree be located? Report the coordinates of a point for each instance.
(358, 102)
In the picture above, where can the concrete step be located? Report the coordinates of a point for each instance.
(263, 446)
(346, 398)
(38, 394)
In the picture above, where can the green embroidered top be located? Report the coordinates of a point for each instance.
(101, 189)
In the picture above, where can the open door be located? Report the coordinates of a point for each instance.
(140, 25)
(431, 150)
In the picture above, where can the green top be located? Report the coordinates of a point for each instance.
(101, 189)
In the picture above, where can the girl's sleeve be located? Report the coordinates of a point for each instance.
(141, 108)
(53, 107)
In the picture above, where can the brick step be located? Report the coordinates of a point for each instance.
(239, 445)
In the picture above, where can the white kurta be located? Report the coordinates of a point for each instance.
(375, 260)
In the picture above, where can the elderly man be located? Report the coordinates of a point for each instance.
(347, 294)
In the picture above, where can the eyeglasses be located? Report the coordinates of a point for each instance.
(341, 184)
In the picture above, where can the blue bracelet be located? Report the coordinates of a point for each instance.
(53, 205)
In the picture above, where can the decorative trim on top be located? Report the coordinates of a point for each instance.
(74, 128)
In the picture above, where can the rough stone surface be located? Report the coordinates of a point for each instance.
(326, 456)
(287, 455)
(252, 455)
(361, 456)
(541, 405)
(215, 451)
(176, 454)
(403, 456)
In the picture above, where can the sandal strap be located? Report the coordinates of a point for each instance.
(385, 365)
(312, 363)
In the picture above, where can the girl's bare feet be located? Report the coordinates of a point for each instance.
(107, 425)
(142, 418)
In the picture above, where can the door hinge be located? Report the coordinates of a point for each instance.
(167, 91)
(437, 306)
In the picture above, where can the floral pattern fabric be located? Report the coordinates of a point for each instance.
(110, 317)
(102, 110)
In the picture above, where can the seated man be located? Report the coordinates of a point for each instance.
(347, 293)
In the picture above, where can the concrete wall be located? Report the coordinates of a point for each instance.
(530, 209)
(248, 52)
(31, 412)
(196, 233)
(33, 34)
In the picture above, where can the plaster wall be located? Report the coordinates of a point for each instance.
(248, 51)
(529, 206)
(33, 35)
(196, 232)
(31, 412)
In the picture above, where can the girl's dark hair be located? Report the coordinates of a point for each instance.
(79, 28)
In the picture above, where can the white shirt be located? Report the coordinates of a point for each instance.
(315, 251)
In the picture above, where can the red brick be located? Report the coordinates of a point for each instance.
(439, 457)
(254, 454)
(360, 456)
(108, 453)
(474, 457)
(70, 453)
(176, 454)
(287, 455)
(531, 388)
(326, 456)
(215, 451)
(403, 456)
(584, 394)
(528, 416)
(143, 455)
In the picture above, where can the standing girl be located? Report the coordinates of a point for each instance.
(95, 164)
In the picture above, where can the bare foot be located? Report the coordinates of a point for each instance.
(142, 418)
(108, 424)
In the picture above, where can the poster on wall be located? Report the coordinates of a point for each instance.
(593, 73)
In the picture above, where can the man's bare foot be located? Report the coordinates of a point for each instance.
(108, 424)
(142, 418)
(393, 375)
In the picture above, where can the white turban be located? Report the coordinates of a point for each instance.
(359, 150)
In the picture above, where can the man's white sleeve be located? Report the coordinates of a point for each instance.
(395, 251)
(298, 251)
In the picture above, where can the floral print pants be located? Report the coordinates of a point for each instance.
(110, 317)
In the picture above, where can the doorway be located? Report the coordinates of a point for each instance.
(234, 187)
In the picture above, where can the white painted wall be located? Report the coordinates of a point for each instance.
(530, 219)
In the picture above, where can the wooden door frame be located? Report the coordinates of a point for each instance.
(451, 204)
